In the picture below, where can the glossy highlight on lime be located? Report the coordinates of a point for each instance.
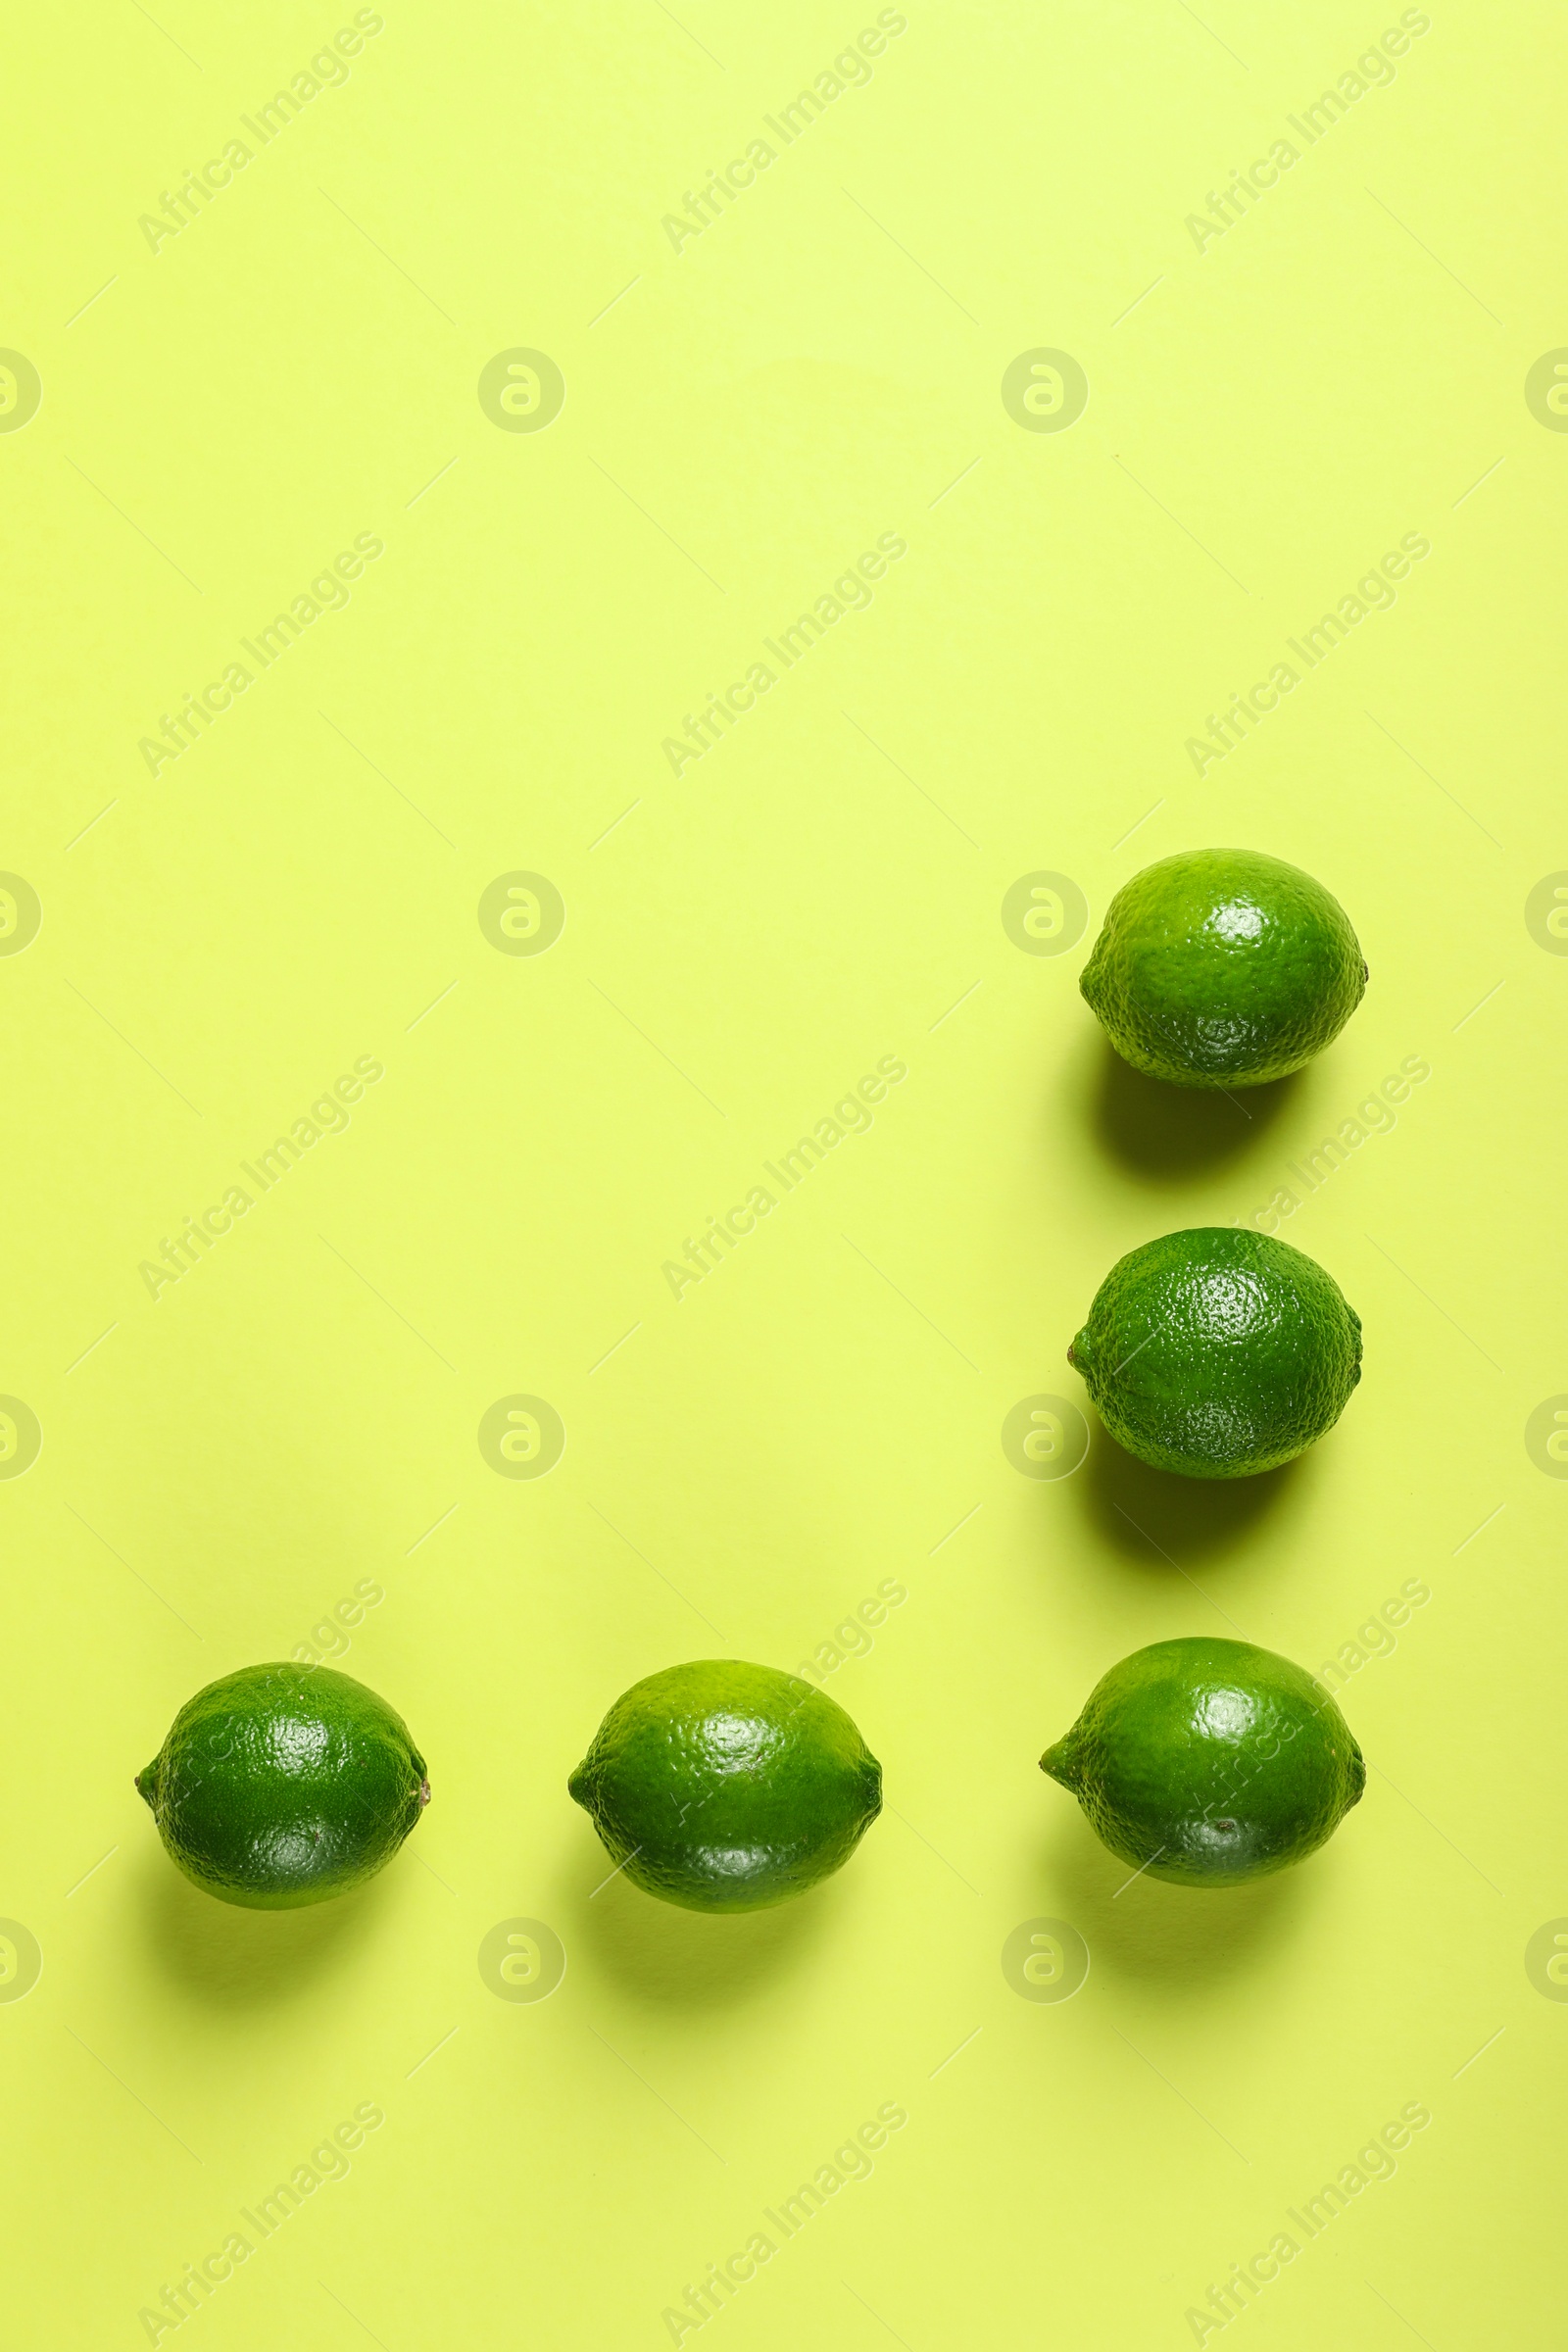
(1223, 969)
(1219, 1352)
(284, 1784)
(1207, 1762)
(725, 1786)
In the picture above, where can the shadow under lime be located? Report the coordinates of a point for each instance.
(1169, 1134)
(674, 1959)
(236, 1959)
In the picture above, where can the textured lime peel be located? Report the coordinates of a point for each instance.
(724, 1787)
(284, 1784)
(1219, 1352)
(1223, 969)
(1208, 1763)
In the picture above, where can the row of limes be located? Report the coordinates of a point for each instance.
(727, 1787)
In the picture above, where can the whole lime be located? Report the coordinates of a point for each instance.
(1219, 1352)
(1209, 1762)
(284, 1784)
(1223, 967)
(724, 1787)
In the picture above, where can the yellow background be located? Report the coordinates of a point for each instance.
(221, 1464)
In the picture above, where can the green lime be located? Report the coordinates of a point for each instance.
(724, 1787)
(284, 1784)
(1223, 967)
(1219, 1352)
(1208, 1763)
